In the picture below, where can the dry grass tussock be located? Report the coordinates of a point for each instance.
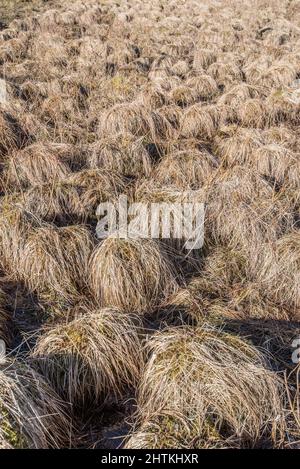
(5, 319)
(32, 166)
(32, 414)
(168, 431)
(186, 169)
(244, 209)
(166, 102)
(134, 275)
(122, 153)
(96, 357)
(135, 118)
(218, 378)
(54, 262)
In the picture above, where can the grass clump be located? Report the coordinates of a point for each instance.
(31, 413)
(96, 357)
(216, 376)
(134, 275)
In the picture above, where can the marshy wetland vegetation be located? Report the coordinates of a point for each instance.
(136, 343)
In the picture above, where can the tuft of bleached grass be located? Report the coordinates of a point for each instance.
(93, 187)
(217, 376)
(186, 169)
(134, 275)
(172, 431)
(243, 210)
(122, 153)
(53, 201)
(95, 357)
(54, 262)
(5, 319)
(15, 226)
(31, 413)
(31, 166)
(13, 134)
(235, 144)
(197, 122)
(136, 119)
(279, 270)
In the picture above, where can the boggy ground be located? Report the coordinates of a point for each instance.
(135, 342)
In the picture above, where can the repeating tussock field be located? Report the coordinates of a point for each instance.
(146, 339)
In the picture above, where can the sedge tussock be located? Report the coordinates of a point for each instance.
(31, 413)
(95, 186)
(239, 94)
(33, 166)
(244, 209)
(277, 162)
(136, 119)
(15, 226)
(5, 319)
(274, 160)
(281, 135)
(122, 154)
(54, 262)
(225, 73)
(183, 96)
(180, 68)
(133, 275)
(72, 156)
(172, 113)
(152, 97)
(197, 122)
(252, 113)
(97, 356)
(277, 75)
(235, 144)
(216, 376)
(203, 58)
(186, 169)
(170, 431)
(12, 133)
(155, 192)
(151, 191)
(283, 106)
(204, 86)
(279, 270)
(228, 288)
(58, 201)
(168, 103)
(35, 92)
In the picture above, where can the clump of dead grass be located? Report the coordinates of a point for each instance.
(170, 431)
(197, 122)
(31, 414)
(136, 119)
(95, 357)
(54, 262)
(57, 201)
(123, 154)
(186, 169)
(15, 226)
(33, 166)
(134, 275)
(5, 319)
(243, 210)
(216, 376)
(278, 270)
(12, 134)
